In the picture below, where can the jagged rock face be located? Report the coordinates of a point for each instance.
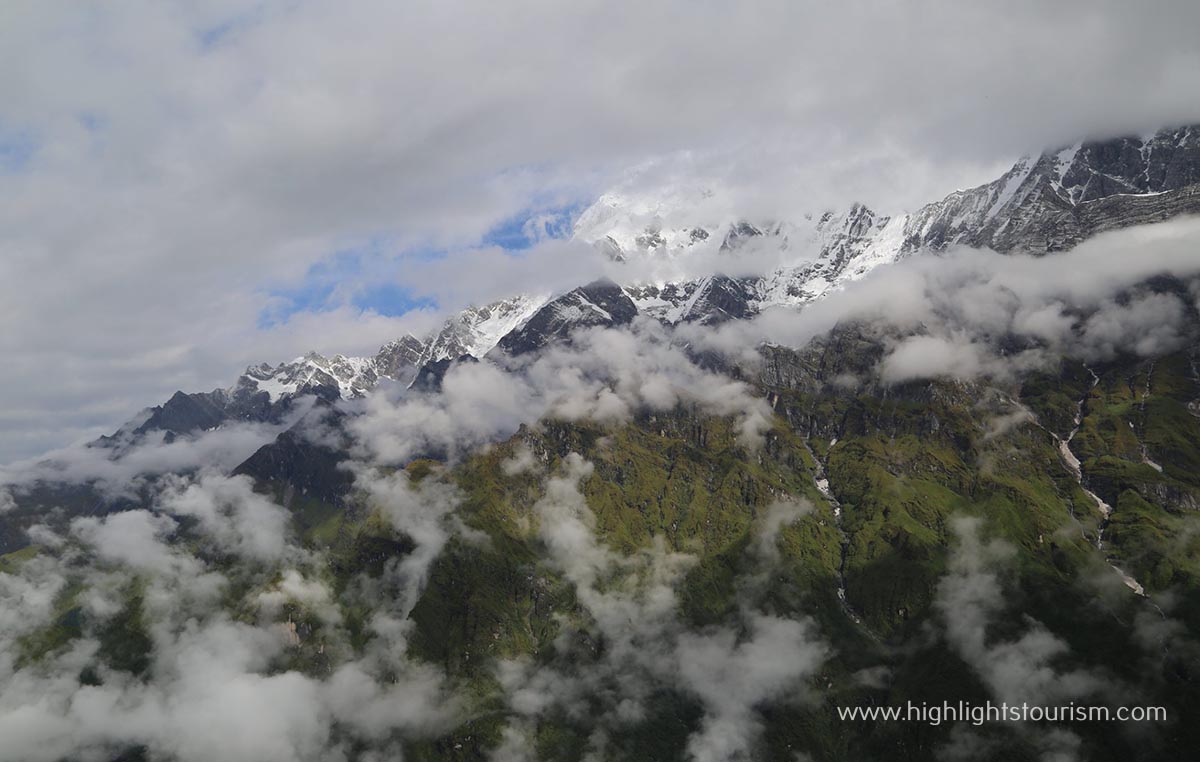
(738, 235)
(191, 413)
(661, 302)
(710, 300)
(263, 392)
(343, 377)
(718, 299)
(721, 299)
(184, 413)
(399, 358)
(476, 330)
(847, 247)
(306, 468)
(1055, 201)
(839, 363)
(1168, 161)
(602, 303)
(431, 375)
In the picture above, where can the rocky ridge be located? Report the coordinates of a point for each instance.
(1041, 205)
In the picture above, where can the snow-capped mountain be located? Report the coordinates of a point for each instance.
(475, 330)
(711, 299)
(1041, 205)
(600, 303)
(347, 376)
(265, 392)
(805, 257)
(668, 222)
(1056, 200)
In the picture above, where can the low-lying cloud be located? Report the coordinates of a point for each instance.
(603, 375)
(946, 315)
(213, 570)
(632, 606)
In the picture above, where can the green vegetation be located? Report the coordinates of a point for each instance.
(65, 626)
(10, 563)
(901, 463)
(124, 642)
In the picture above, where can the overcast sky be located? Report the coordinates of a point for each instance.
(191, 187)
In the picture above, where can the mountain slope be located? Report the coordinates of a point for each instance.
(636, 547)
(1060, 198)
(886, 472)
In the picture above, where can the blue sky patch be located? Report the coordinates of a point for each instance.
(391, 299)
(368, 277)
(350, 277)
(93, 122)
(522, 231)
(212, 36)
(17, 148)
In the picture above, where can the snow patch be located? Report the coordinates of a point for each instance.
(1016, 178)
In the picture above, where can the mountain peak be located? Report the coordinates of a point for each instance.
(1041, 204)
(599, 303)
(348, 376)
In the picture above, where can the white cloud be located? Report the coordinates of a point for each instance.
(135, 538)
(631, 601)
(125, 469)
(956, 306)
(971, 598)
(779, 514)
(415, 702)
(604, 375)
(422, 512)
(931, 356)
(295, 587)
(731, 678)
(230, 513)
(522, 461)
(214, 687)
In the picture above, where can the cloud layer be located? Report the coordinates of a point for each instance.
(967, 312)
